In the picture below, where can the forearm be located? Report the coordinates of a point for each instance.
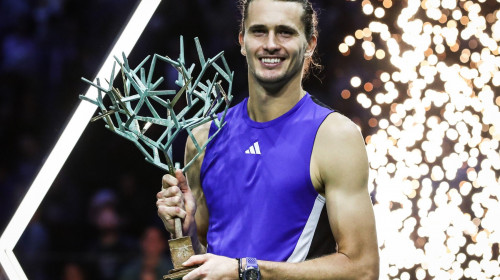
(335, 266)
(198, 247)
(196, 239)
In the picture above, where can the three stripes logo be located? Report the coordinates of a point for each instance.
(254, 149)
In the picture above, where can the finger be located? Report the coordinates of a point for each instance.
(169, 192)
(196, 260)
(168, 180)
(192, 275)
(181, 181)
(171, 201)
(171, 212)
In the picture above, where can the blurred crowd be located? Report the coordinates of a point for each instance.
(99, 220)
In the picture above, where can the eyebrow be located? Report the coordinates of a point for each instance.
(287, 28)
(279, 27)
(257, 26)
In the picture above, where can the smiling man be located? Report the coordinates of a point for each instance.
(281, 192)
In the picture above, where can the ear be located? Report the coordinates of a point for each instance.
(242, 44)
(311, 46)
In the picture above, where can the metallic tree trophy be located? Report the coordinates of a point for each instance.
(148, 119)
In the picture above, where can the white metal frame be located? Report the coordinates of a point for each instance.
(63, 147)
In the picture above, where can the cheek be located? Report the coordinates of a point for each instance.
(245, 49)
(249, 48)
(300, 52)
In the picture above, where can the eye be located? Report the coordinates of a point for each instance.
(286, 33)
(258, 32)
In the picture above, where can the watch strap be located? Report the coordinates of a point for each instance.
(240, 269)
(252, 262)
(252, 267)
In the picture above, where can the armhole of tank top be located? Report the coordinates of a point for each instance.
(312, 150)
(324, 234)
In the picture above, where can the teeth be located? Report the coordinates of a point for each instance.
(271, 60)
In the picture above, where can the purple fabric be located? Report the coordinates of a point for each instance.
(259, 203)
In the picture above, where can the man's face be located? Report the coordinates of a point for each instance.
(274, 41)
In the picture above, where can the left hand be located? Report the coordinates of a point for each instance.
(212, 267)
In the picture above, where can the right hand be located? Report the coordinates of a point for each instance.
(176, 200)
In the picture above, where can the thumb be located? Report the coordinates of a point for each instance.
(189, 224)
(182, 182)
(196, 260)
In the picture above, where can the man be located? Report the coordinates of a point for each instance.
(153, 262)
(281, 192)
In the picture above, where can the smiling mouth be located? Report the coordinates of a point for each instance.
(270, 61)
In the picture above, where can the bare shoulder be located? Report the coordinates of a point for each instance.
(339, 152)
(338, 127)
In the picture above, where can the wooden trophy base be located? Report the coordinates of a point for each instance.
(178, 273)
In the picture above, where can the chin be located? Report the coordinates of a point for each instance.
(270, 77)
(271, 80)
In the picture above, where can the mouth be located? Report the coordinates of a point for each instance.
(271, 61)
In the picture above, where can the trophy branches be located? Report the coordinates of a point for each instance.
(147, 115)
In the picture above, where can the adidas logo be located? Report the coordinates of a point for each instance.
(254, 149)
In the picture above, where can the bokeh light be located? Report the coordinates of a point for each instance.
(434, 132)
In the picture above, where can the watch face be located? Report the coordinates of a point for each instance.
(252, 274)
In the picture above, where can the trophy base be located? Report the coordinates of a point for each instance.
(181, 249)
(178, 273)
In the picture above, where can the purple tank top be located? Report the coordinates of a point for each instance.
(256, 181)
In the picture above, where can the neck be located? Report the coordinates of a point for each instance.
(266, 103)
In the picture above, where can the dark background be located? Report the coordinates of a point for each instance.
(48, 45)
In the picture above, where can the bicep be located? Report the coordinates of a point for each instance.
(344, 173)
(193, 177)
(352, 221)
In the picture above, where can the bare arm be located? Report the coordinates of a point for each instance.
(339, 171)
(183, 197)
(340, 165)
(193, 178)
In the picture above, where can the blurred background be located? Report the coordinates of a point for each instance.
(419, 78)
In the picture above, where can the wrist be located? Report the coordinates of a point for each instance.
(192, 229)
(249, 269)
(198, 247)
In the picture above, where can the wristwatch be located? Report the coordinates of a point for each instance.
(251, 271)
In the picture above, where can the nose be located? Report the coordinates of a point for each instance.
(271, 44)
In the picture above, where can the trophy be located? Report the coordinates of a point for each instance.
(144, 114)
